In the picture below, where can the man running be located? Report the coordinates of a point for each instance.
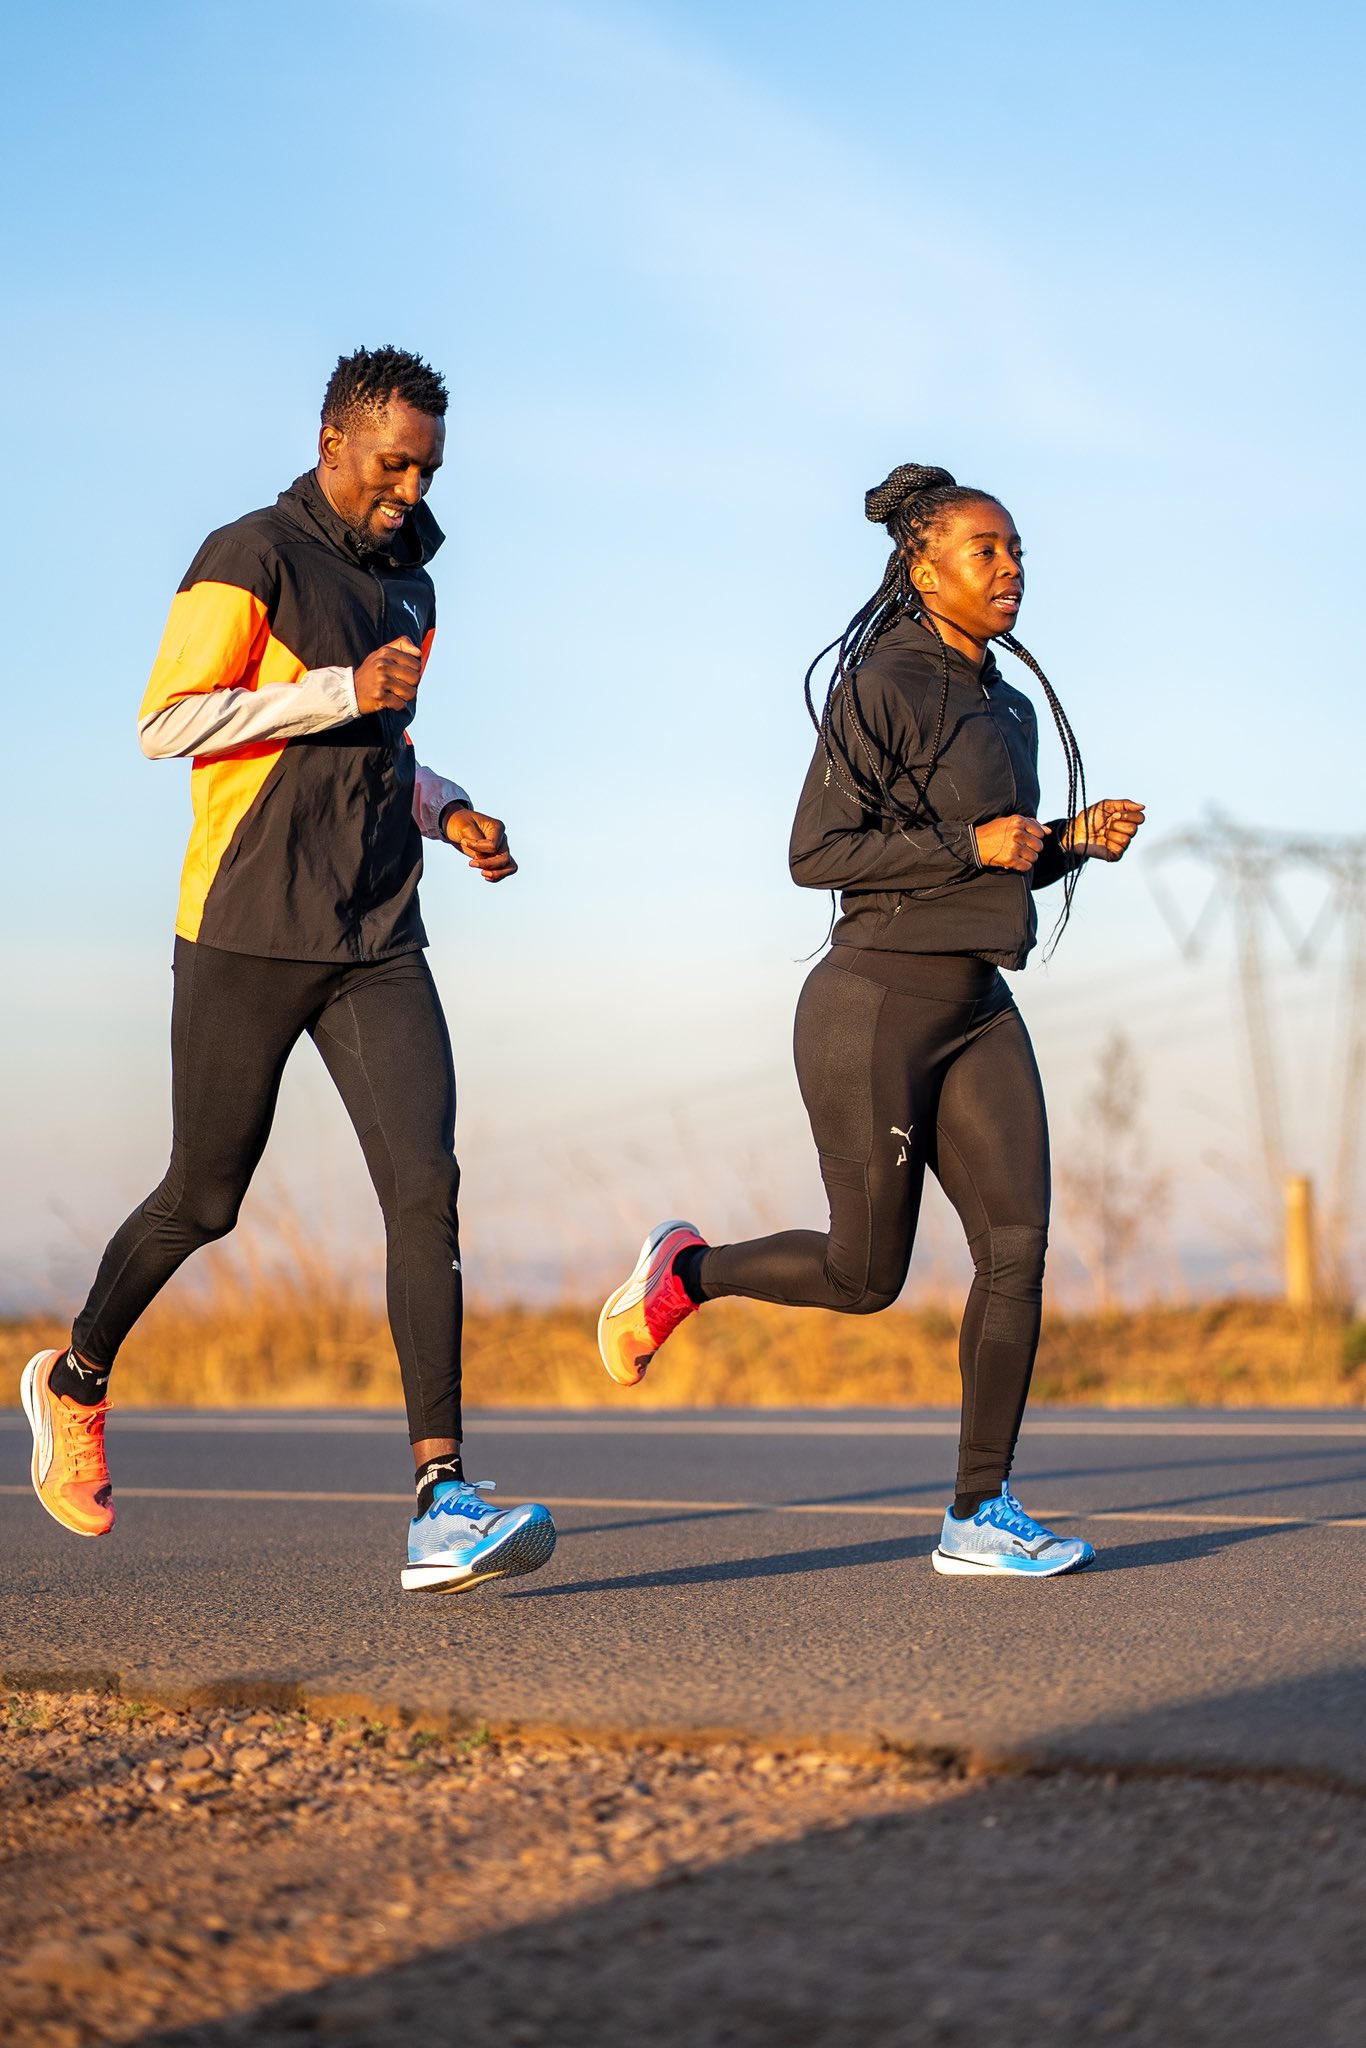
(288, 673)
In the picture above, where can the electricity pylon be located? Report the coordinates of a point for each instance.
(1343, 861)
(1246, 864)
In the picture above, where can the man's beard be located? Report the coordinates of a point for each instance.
(368, 543)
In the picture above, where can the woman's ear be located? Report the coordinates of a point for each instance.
(923, 577)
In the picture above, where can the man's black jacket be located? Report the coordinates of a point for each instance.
(308, 817)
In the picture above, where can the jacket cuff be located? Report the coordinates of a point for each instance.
(433, 796)
(1055, 861)
(338, 686)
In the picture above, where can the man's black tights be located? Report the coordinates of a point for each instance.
(380, 1030)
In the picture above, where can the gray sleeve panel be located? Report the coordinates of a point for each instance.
(217, 721)
(431, 794)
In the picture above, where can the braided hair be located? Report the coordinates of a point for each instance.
(911, 504)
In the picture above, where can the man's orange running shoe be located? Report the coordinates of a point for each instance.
(70, 1476)
(649, 1306)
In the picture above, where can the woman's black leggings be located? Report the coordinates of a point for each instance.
(234, 1022)
(907, 1061)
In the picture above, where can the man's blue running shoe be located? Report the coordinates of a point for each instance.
(464, 1539)
(1002, 1539)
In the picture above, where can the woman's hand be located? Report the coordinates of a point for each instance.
(1103, 831)
(1010, 843)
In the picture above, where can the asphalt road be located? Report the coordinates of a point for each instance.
(767, 1574)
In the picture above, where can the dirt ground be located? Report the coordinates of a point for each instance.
(243, 1876)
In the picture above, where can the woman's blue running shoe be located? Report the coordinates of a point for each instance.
(464, 1539)
(1002, 1539)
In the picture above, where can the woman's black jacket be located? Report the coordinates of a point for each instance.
(921, 888)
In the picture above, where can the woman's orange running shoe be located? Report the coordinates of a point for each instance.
(70, 1476)
(648, 1307)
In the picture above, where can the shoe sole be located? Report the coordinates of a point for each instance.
(522, 1550)
(637, 1274)
(28, 1395)
(972, 1568)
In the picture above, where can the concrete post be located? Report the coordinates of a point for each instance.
(1299, 1241)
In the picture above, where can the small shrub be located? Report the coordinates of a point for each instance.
(1354, 1346)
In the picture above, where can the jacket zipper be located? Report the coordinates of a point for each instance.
(366, 894)
(1023, 880)
(1001, 736)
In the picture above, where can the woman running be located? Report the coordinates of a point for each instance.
(919, 807)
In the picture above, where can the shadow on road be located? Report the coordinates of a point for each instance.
(780, 1565)
(657, 1520)
(1279, 1458)
(1169, 1550)
(1157, 1550)
(933, 1490)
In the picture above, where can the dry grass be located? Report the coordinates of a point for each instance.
(312, 1337)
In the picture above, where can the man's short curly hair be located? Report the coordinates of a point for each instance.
(366, 382)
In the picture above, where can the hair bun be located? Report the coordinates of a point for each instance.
(905, 481)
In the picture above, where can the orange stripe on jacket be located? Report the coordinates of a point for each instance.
(217, 637)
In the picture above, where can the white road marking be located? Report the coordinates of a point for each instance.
(896, 1509)
(209, 1422)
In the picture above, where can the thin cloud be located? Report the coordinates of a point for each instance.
(771, 237)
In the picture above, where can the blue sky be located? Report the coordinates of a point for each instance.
(697, 276)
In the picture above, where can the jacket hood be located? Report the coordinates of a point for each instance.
(412, 546)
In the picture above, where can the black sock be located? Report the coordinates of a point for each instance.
(78, 1381)
(688, 1268)
(429, 1476)
(965, 1505)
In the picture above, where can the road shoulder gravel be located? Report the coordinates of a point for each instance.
(236, 1874)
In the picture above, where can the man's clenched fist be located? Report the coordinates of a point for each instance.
(387, 680)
